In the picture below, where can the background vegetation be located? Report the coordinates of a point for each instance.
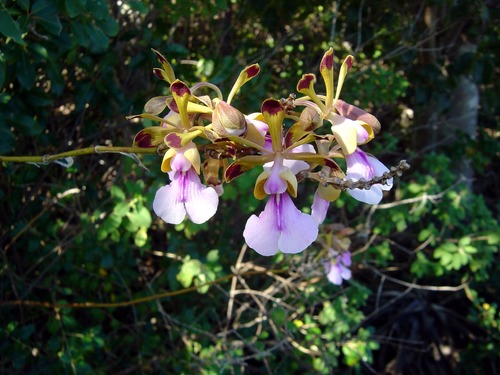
(424, 293)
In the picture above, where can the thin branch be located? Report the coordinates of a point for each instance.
(45, 159)
(341, 184)
(87, 305)
(418, 286)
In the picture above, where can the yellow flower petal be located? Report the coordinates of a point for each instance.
(246, 75)
(258, 190)
(344, 69)
(165, 164)
(193, 155)
(346, 137)
(181, 95)
(306, 86)
(326, 70)
(167, 73)
(274, 114)
(287, 175)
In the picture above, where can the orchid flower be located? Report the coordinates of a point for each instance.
(363, 166)
(351, 126)
(336, 267)
(185, 195)
(281, 226)
(224, 117)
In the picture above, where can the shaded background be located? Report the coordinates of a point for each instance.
(424, 293)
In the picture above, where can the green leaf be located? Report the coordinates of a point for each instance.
(141, 237)
(278, 315)
(112, 222)
(8, 142)
(117, 193)
(200, 280)
(25, 4)
(25, 72)
(46, 12)
(110, 26)
(493, 238)
(415, 188)
(99, 42)
(189, 270)
(26, 124)
(80, 34)
(448, 247)
(464, 241)
(138, 6)
(143, 217)
(74, 8)
(470, 249)
(121, 209)
(98, 9)
(10, 28)
(213, 256)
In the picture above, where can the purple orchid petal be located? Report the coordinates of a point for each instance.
(361, 165)
(298, 230)
(345, 272)
(372, 196)
(346, 258)
(168, 203)
(201, 201)
(281, 226)
(299, 165)
(185, 195)
(333, 273)
(361, 133)
(380, 169)
(319, 209)
(337, 268)
(261, 232)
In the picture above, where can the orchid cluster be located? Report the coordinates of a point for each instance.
(204, 135)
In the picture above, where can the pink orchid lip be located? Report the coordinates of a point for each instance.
(337, 268)
(185, 196)
(280, 227)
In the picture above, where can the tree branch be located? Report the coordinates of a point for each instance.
(360, 184)
(44, 159)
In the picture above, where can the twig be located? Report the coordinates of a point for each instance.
(418, 286)
(341, 184)
(230, 303)
(90, 305)
(44, 159)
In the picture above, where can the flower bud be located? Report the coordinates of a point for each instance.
(310, 119)
(328, 192)
(227, 120)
